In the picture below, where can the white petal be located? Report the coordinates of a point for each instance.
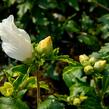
(10, 50)
(15, 42)
(15, 52)
(24, 34)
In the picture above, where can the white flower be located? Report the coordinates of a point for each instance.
(16, 43)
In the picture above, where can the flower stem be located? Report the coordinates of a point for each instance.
(101, 5)
(38, 89)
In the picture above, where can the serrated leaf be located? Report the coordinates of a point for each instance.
(70, 74)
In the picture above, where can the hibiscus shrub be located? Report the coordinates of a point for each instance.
(54, 54)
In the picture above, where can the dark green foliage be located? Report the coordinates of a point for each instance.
(12, 103)
(51, 103)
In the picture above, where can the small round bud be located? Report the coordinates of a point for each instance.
(99, 65)
(84, 59)
(45, 46)
(88, 70)
(76, 101)
(92, 60)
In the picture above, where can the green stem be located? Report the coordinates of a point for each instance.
(96, 86)
(38, 88)
(101, 5)
(98, 92)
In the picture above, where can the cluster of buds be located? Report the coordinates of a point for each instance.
(76, 100)
(91, 64)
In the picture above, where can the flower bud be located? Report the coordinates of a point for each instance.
(88, 69)
(7, 89)
(45, 46)
(83, 59)
(92, 60)
(76, 101)
(99, 65)
(82, 98)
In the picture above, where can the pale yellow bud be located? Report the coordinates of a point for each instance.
(82, 98)
(88, 69)
(99, 65)
(83, 59)
(76, 101)
(92, 60)
(45, 46)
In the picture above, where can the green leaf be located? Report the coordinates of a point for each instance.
(18, 81)
(105, 83)
(104, 19)
(11, 103)
(103, 53)
(86, 22)
(44, 85)
(71, 26)
(81, 88)
(103, 2)
(29, 82)
(20, 68)
(9, 2)
(23, 8)
(51, 103)
(91, 103)
(105, 79)
(75, 4)
(65, 58)
(70, 74)
(47, 4)
(21, 93)
(88, 40)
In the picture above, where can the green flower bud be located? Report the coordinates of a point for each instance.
(99, 65)
(92, 60)
(7, 89)
(84, 59)
(45, 46)
(76, 101)
(88, 70)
